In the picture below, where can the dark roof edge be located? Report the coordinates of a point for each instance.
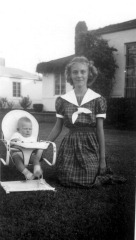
(115, 27)
(61, 59)
(54, 65)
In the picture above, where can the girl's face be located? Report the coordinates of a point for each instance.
(79, 74)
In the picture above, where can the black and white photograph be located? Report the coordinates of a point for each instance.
(67, 119)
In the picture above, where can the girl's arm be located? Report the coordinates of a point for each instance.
(56, 130)
(53, 135)
(101, 141)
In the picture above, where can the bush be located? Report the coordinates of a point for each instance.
(121, 113)
(4, 103)
(25, 102)
(38, 107)
(10, 104)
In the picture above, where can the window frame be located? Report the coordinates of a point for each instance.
(61, 85)
(130, 73)
(16, 89)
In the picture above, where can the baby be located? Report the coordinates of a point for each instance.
(24, 134)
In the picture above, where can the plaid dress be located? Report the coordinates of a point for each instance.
(78, 156)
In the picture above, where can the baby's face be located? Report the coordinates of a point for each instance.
(26, 129)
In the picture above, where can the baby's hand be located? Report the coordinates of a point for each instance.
(15, 140)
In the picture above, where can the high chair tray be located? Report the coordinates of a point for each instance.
(24, 186)
(32, 145)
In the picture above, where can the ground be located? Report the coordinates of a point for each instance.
(102, 213)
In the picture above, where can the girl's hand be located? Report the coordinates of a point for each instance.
(102, 168)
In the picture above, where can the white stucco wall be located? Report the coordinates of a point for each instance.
(48, 92)
(33, 89)
(49, 96)
(118, 40)
(5, 87)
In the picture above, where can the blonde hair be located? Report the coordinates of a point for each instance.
(22, 120)
(92, 71)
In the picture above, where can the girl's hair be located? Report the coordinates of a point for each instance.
(22, 120)
(92, 71)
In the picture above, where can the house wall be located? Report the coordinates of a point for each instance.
(118, 40)
(49, 97)
(5, 87)
(33, 89)
(28, 87)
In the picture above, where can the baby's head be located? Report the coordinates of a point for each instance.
(25, 127)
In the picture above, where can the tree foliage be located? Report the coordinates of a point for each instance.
(97, 49)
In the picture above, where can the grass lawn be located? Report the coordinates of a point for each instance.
(102, 213)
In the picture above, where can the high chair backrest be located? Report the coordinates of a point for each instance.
(10, 121)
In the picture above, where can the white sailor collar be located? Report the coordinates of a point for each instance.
(89, 96)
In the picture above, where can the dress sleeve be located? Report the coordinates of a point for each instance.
(101, 107)
(59, 107)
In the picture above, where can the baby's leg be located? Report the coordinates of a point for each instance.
(18, 160)
(36, 163)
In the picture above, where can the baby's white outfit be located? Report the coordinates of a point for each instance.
(18, 136)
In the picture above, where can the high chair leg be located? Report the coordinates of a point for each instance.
(54, 154)
(2, 160)
(27, 154)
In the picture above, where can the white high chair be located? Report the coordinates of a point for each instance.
(9, 126)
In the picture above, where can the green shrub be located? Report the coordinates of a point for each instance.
(10, 104)
(4, 103)
(38, 107)
(25, 102)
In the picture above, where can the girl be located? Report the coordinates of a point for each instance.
(81, 156)
(82, 152)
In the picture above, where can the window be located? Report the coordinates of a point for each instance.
(16, 89)
(130, 87)
(60, 84)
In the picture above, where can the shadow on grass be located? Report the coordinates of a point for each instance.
(102, 213)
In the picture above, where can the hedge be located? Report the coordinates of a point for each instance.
(121, 113)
